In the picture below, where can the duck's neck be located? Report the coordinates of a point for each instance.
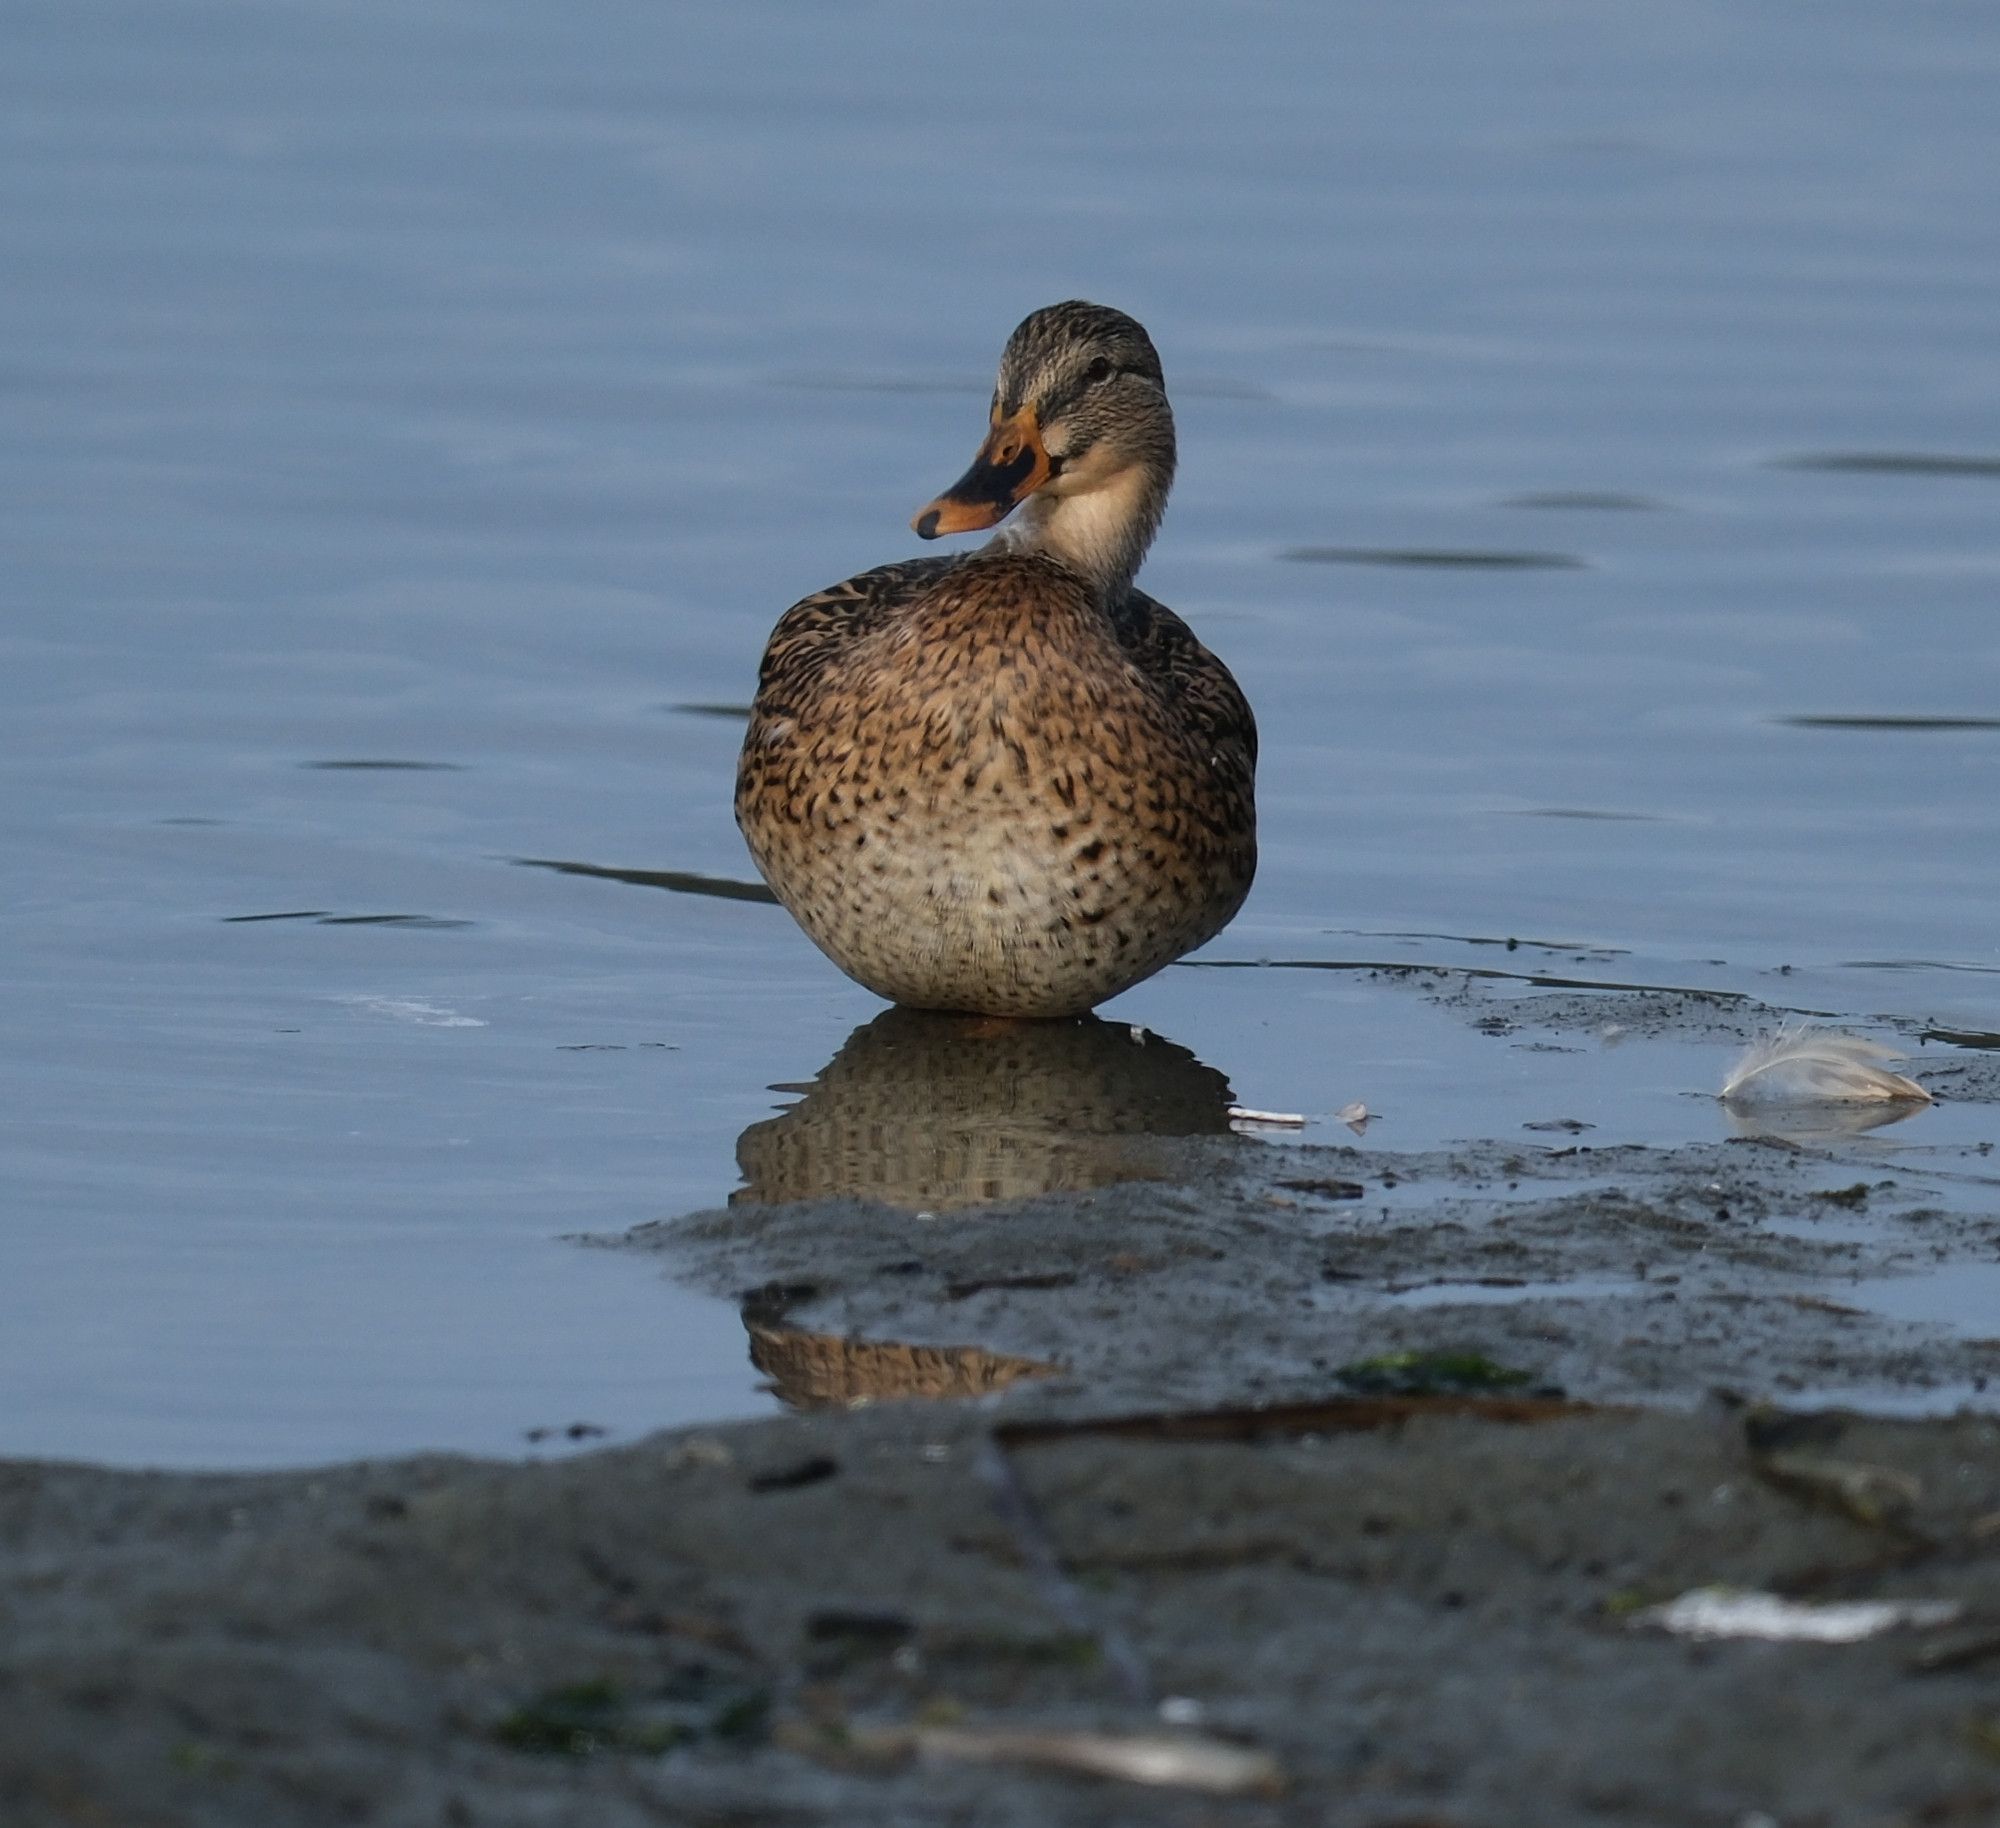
(1100, 533)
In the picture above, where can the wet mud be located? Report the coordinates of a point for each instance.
(1140, 1470)
(1407, 1617)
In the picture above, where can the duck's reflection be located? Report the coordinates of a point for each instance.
(934, 1112)
(810, 1370)
(938, 1113)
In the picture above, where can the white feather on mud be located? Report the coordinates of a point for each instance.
(1804, 1064)
(1246, 1122)
(1734, 1612)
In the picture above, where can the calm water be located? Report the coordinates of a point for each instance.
(1591, 467)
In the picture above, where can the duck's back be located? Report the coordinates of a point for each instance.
(976, 790)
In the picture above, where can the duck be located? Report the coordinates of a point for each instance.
(1008, 782)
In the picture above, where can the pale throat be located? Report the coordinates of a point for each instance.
(1102, 531)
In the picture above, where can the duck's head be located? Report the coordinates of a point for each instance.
(1080, 432)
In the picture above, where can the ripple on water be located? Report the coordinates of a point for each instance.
(1594, 501)
(1885, 721)
(386, 765)
(815, 381)
(1892, 463)
(1404, 968)
(1571, 948)
(676, 882)
(1582, 812)
(414, 1010)
(436, 923)
(324, 917)
(1436, 558)
(1917, 964)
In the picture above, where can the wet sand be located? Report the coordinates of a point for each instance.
(1349, 1472)
(1427, 1622)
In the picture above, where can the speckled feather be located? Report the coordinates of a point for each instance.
(976, 790)
(1012, 783)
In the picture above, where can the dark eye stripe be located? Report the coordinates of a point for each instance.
(1073, 394)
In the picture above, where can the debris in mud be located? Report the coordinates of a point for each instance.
(838, 1625)
(1819, 1304)
(1182, 1761)
(1878, 1496)
(574, 1431)
(1738, 1612)
(579, 1719)
(1955, 1653)
(809, 1471)
(1327, 1189)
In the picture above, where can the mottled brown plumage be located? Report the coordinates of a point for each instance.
(1011, 783)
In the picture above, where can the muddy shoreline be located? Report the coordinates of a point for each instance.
(1334, 1480)
(1434, 1621)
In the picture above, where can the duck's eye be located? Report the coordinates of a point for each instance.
(1099, 370)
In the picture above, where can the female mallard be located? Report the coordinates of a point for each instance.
(1009, 782)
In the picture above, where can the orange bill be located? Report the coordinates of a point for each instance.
(1011, 465)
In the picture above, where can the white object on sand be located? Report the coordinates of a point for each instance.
(1738, 1612)
(1241, 1117)
(1186, 1761)
(1805, 1064)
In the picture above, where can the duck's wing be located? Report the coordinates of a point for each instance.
(817, 628)
(1197, 684)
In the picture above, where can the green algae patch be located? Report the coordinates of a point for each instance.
(1430, 1374)
(581, 1719)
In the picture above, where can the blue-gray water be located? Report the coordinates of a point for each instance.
(469, 385)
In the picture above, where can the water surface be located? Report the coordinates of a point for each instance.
(412, 418)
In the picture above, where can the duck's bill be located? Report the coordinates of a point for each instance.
(1011, 465)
